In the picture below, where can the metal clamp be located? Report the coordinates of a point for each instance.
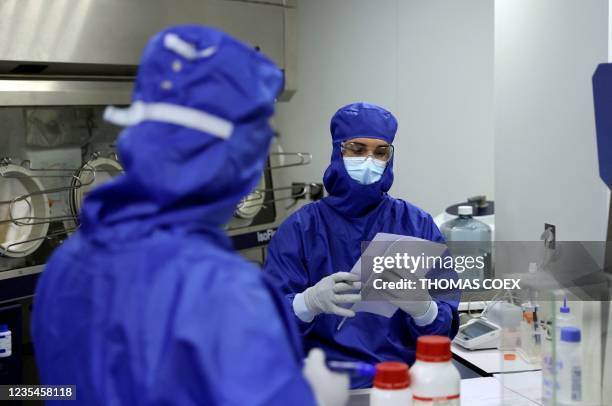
(45, 237)
(304, 159)
(259, 192)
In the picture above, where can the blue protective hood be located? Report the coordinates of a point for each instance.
(346, 195)
(197, 136)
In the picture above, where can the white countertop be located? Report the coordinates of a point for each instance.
(492, 362)
(474, 392)
(527, 384)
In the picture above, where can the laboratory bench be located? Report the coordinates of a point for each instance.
(485, 380)
(521, 390)
(486, 363)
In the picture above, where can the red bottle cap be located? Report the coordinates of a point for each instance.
(433, 349)
(391, 375)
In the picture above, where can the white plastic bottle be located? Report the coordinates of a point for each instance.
(570, 367)
(549, 374)
(5, 341)
(435, 380)
(550, 383)
(564, 319)
(391, 385)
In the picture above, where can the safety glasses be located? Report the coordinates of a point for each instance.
(359, 150)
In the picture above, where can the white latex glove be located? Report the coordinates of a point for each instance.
(330, 388)
(331, 292)
(416, 302)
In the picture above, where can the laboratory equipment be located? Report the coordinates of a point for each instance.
(502, 312)
(23, 209)
(252, 204)
(391, 386)
(465, 227)
(570, 366)
(551, 355)
(549, 373)
(483, 210)
(564, 318)
(435, 380)
(57, 154)
(93, 173)
(532, 336)
(258, 214)
(470, 238)
(99, 67)
(5, 341)
(478, 334)
(13, 362)
(51, 103)
(509, 318)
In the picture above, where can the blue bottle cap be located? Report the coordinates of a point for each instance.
(3, 328)
(570, 334)
(564, 308)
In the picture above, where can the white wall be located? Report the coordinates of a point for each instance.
(545, 149)
(430, 63)
(445, 101)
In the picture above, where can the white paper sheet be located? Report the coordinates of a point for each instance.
(384, 244)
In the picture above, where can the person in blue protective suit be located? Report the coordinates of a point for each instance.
(148, 304)
(312, 252)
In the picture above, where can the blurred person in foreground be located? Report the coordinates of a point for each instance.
(148, 303)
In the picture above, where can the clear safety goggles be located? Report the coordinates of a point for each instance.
(359, 150)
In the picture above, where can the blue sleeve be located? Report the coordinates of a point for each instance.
(285, 265)
(251, 359)
(445, 324)
(432, 231)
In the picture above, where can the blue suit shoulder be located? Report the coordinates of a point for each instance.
(302, 218)
(415, 211)
(416, 218)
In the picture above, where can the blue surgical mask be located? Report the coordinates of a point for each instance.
(364, 170)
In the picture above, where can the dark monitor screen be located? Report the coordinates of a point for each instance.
(477, 329)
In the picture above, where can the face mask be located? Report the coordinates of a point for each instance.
(364, 171)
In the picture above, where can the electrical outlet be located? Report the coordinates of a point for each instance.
(552, 230)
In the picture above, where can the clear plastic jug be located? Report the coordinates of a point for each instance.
(467, 236)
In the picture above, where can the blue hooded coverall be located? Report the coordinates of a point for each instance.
(148, 304)
(325, 237)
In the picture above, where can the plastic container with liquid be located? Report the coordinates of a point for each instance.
(435, 380)
(391, 386)
(550, 381)
(570, 367)
(564, 319)
(532, 335)
(465, 227)
(477, 235)
(509, 317)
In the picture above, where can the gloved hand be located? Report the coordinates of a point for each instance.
(330, 388)
(327, 296)
(416, 302)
